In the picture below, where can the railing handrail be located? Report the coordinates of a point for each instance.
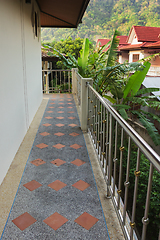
(56, 70)
(152, 156)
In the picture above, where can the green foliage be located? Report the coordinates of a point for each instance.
(102, 16)
(83, 59)
(135, 81)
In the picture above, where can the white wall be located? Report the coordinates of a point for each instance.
(20, 77)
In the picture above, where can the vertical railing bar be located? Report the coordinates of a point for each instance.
(145, 219)
(93, 116)
(101, 131)
(60, 79)
(119, 191)
(126, 184)
(107, 142)
(110, 155)
(69, 81)
(137, 174)
(56, 79)
(52, 80)
(104, 124)
(115, 158)
(97, 124)
(64, 80)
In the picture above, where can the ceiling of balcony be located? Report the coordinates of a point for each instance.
(62, 13)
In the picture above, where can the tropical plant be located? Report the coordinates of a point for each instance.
(129, 101)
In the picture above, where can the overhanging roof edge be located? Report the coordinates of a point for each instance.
(84, 6)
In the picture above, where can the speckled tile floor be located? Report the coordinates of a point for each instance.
(57, 196)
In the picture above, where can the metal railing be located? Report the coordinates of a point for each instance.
(125, 159)
(56, 81)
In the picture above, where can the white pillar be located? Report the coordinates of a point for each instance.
(74, 82)
(84, 102)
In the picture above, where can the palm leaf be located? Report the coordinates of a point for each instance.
(147, 90)
(152, 115)
(152, 131)
(135, 81)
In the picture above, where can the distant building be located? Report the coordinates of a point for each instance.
(142, 42)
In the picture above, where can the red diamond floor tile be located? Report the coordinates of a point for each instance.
(61, 103)
(71, 117)
(71, 112)
(61, 99)
(58, 162)
(49, 117)
(52, 103)
(24, 221)
(60, 111)
(60, 107)
(78, 162)
(42, 145)
(37, 162)
(72, 125)
(75, 146)
(59, 134)
(69, 107)
(49, 111)
(51, 107)
(47, 124)
(32, 185)
(55, 221)
(58, 146)
(44, 134)
(59, 125)
(60, 117)
(81, 185)
(57, 185)
(69, 103)
(86, 220)
(74, 134)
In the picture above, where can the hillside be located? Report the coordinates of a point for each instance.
(103, 16)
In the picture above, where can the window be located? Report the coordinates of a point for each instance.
(135, 57)
(36, 25)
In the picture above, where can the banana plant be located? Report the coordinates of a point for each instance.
(130, 100)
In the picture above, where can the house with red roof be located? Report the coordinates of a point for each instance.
(142, 41)
(104, 41)
(101, 42)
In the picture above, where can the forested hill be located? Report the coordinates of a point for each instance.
(103, 16)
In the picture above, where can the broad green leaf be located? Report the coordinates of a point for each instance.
(112, 51)
(122, 106)
(112, 100)
(123, 113)
(83, 59)
(135, 81)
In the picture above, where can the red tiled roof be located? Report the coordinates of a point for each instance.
(135, 46)
(103, 41)
(156, 44)
(146, 34)
(122, 39)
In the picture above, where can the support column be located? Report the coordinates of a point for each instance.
(84, 102)
(74, 70)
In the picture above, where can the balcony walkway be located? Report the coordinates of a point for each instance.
(57, 196)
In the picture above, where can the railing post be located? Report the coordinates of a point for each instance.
(74, 70)
(47, 85)
(84, 102)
